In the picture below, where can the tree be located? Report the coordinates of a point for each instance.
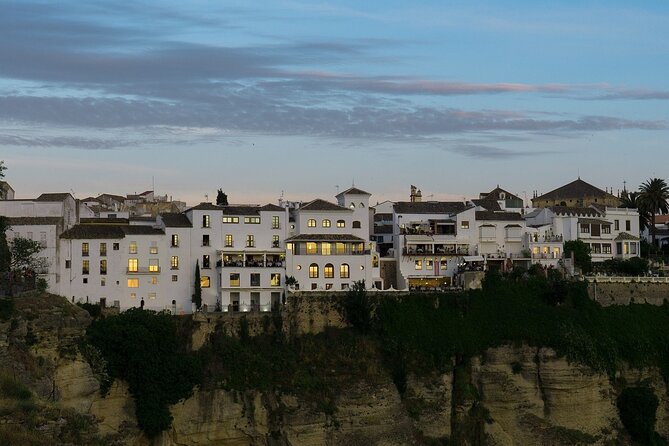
(582, 257)
(632, 200)
(2, 175)
(197, 295)
(358, 309)
(24, 254)
(221, 198)
(5, 253)
(654, 195)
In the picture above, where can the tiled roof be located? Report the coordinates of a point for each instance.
(240, 210)
(271, 208)
(141, 230)
(498, 216)
(495, 193)
(325, 238)
(104, 221)
(321, 205)
(119, 198)
(594, 221)
(489, 203)
(54, 197)
(429, 207)
(625, 236)
(569, 211)
(353, 191)
(26, 221)
(205, 207)
(175, 220)
(93, 232)
(140, 218)
(575, 189)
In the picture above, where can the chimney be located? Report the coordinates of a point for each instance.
(412, 197)
(419, 196)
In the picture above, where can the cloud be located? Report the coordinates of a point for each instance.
(490, 152)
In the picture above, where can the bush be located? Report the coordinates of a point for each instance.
(94, 310)
(6, 309)
(358, 309)
(13, 388)
(637, 407)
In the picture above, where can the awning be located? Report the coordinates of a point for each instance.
(473, 258)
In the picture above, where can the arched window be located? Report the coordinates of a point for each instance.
(326, 223)
(328, 271)
(341, 224)
(352, 206)
(344, 271)
(313, 271)
(356, 224)
(362, 205)
(311, 223)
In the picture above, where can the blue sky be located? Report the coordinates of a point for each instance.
(300, 97)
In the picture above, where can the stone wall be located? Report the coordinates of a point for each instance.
(627, 293)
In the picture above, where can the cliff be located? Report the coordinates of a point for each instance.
(509, 395)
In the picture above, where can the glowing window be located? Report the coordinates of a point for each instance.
(328, 271)
(132, 265)
(344, 271)
(313, 271)
(133, 283)
(311, 223)
(326, 223)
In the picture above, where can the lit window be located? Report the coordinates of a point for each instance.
(344, 271)
(133, 283)
(234, 279)
(328, 271)
(85, 265)
(231, 220)
(464, 224)
(328, 286)
(352, 205)
(154, 280)
(205, 221)
(312, 248)
(356, 224)
(275, 279)
(418, 264)
(313, 271)
(341, 224)
(228, 240)
(103, 267)
(133, 248)
(204, 282)
(250, 241)
(205, 261)
(326, 248)
(132, 265)
(175, 240)
(153, 265)
(362, 205)
(153, 249)
(152, 296)
(289, 246)
(275, 222)
(84, 249)
(311, 223)
(326, 223)
(252, 220)
(103, 249)
(275, 241)
(174, 262)
(340, 248)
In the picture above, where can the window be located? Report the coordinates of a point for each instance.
(341, 224)
(596, 248)
(68, 264)
(133, 283)
(628, 225)
(606, 229)
(234, 279)
(344, 271)
(255, 279)
(154, 266)
(250, 241)
(633, 248)
(352, 205)
(313, 271)
(619, 248)
(362, 205)
(312, 248)
(231, 220)
(556, 253)
(289, 246)
(344, 286)
(84, 249)
(175, 278)
(42, 239)
(340, 248)
(103, 249)
(205, 239)
(103, 267)
(133, 248)
(103, 281)
(616, 225)
(428, 264)
(252, 220)
(328, 271)
(153, 249)
(275, 222)
(205, 261)
(154, 280)
(606, 248)
(115, 246)
(133, 295)
(275, 279)
(204, 282)
(85, 280)
(314, 286)
(275, 241)
(326, 248)
(85, 265)
(175, 240)
(464, 224)
(174, 262)
(585, 228)
(328, 286)
(132, 265)
(356, 224)
(152, 296)
(326, 223)
(205, 221)
(418, 265)
(311, 223)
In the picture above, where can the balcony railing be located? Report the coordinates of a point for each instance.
(250, 264)
(144, 270)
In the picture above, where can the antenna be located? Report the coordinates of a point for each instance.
(206, 197)
(337, 186)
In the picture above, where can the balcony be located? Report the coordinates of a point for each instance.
(250, 261)
(144, 270)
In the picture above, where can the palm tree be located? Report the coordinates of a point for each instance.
(654, 195)
(632, 200)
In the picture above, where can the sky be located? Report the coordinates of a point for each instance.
(302, 99)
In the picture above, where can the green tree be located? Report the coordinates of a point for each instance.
(24, 254)
(197, 295)
(654, 195)
(358, 309)
(5, 253)
(582, 257)
(632, 200)
(638, 407)
(221, 198)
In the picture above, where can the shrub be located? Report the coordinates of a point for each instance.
(637, 407)
(13, 388)
(357, 308)
(94, 310)
(6, 309)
